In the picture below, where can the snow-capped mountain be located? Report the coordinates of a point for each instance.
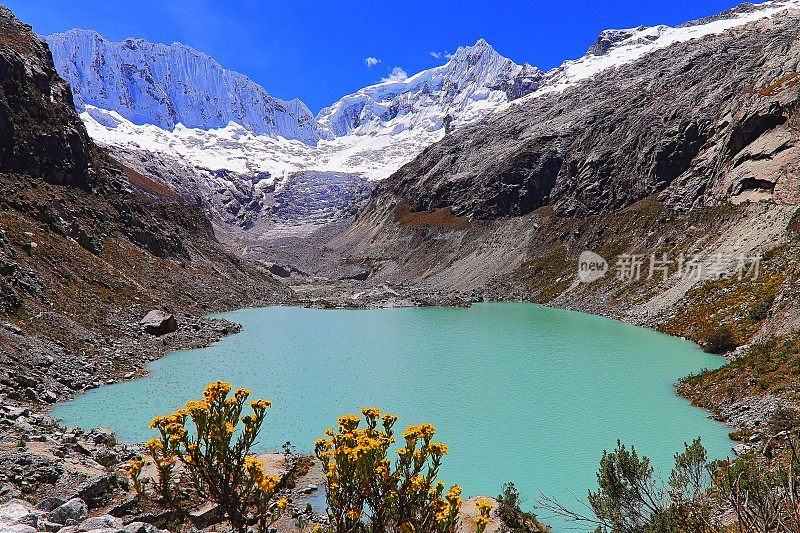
(179, 104)
(614, 48)
(372, 132)
(166, 85)
(474, 81)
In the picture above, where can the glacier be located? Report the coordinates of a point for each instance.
(167, 85)
(372, 132)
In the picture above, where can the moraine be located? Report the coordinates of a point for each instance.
(519, 392)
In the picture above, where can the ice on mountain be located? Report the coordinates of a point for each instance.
(167, 85)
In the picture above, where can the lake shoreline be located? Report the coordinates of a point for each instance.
(424, 316)
(56, 437)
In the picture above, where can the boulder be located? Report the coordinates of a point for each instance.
(50, 503)
(141, 527)
(206, 516)
(361, 276)
(97, 523)
(17, 528)
(279, 270)
(17, 513)
(158, 322)
(94, 489)
(103, 436)
(75, 509)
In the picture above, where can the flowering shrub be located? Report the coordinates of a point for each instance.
(369, 492)
(217, 459)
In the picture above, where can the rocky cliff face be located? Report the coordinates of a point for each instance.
(39, 131)
(688, 151)
(166, 85)
(86, 248)
(701, 122)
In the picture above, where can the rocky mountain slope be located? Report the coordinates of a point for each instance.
(699, 126)
(716, 124)
(86, 249)
(678, 168)
(168, 85)
(125, 92)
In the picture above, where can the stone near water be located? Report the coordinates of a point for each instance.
(158, 322)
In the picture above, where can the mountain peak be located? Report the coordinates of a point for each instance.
(475, 81)
(166, 85)
(481, 48)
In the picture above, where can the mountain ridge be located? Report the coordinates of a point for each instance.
(170, 84)
(377, 130)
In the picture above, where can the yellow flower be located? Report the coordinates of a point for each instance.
(349, 422)
(268, 483)
(253, 462)
(197, 407)
(157, 421)
(353, 514)
(323, 444)
(481, 521)
(484, 506)
(411, 433)
(135, 467)
(217, 389)
(316, 528)
(282, 503)
(260, 405)
(454, 495)
(242, 394)
(371, 412)
(427, 430)
(389, 420)
(438, 448)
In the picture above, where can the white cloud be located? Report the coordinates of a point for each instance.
(436, 55)
(397, 74)
(439, 55)
(371, 61)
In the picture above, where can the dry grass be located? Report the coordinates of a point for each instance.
(778, 85)
(770, 367)
(438, 218)
(143, 182)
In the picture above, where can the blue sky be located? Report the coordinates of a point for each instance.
(316, 51)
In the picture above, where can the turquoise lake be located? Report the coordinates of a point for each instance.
(519, 392)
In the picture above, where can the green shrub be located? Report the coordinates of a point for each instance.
(720, 340)
(512, 518)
